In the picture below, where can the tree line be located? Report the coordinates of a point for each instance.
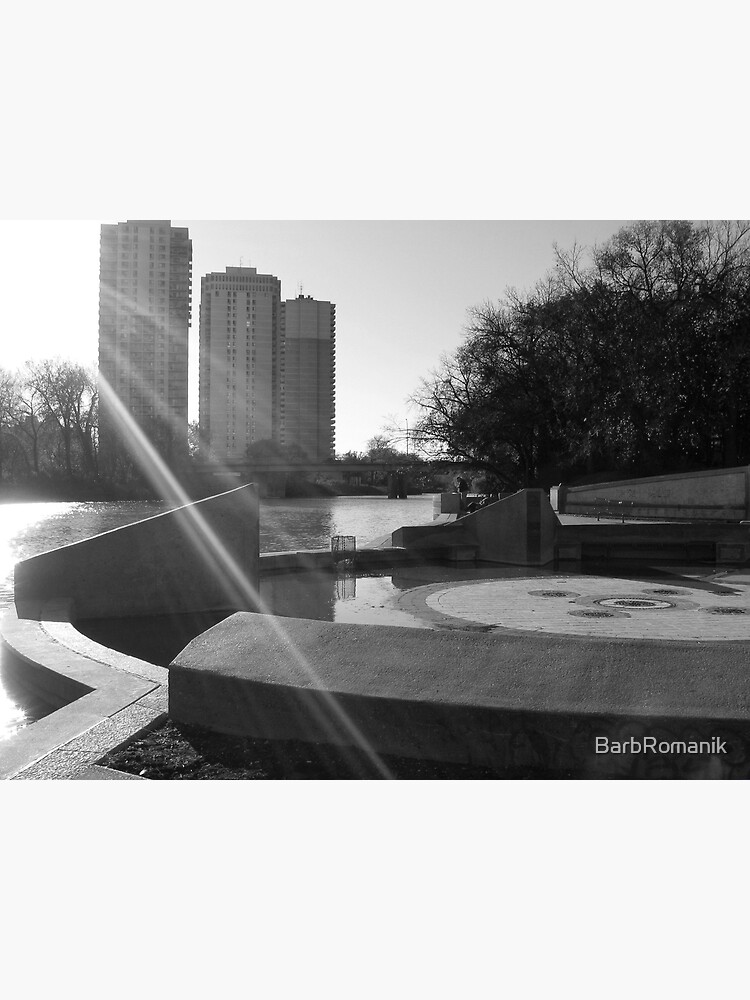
(632, 358)
(48, 421)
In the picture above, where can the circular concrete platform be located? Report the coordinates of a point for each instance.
(605, 607)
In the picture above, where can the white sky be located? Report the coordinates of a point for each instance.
(401, 291)
(516, 114)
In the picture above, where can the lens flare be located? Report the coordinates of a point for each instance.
(330, 716)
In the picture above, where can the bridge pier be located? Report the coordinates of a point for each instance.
(397, 486)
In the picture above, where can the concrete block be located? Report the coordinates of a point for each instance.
(732, 553)
(557, 498)
(518, 530)
(461, 553)
(569, 552)
(450, 503)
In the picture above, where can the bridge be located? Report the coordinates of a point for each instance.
(272, 475)
(334, 468)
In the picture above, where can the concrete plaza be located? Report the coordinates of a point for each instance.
(686, 605)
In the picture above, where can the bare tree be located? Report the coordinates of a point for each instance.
(30, 415)
(10, 447)
(633, 357)
(68, 397)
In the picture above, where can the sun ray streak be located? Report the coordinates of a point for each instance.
(331, 716)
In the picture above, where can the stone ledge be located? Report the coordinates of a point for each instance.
(104, 696)
(281, 562)
(77, 757)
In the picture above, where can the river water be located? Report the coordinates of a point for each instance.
(26, 529)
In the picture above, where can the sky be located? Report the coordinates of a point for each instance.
(401, 289)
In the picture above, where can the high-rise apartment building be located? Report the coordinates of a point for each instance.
(307, 394)
(239, 361)
(266, 367)
(144, 317)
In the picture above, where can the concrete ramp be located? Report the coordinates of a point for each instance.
(199, 557)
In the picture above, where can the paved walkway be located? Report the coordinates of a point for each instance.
(709, 608)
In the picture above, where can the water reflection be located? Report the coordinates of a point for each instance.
(12, 716)
(18, 522)
(300, 595)
(310, 524)
(364, 599)
(346, 586)
(18, 525)
(408, 577)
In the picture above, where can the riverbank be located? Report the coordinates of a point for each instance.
(60, 491)
(54, 491)
(308, 490)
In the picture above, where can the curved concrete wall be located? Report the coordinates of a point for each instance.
(515, 702)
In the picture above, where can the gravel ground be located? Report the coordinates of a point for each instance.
(176, 752)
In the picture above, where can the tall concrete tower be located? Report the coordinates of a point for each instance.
(144, 316)
(240, 361)
(308, 379)
(267, 367)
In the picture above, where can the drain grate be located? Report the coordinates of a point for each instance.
(665, 592)
(726, 611)
(553, 593)
(635, 602)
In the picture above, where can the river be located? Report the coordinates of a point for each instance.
(27, 529)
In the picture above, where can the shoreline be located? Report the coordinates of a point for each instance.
(70, 493)
(74, 494)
